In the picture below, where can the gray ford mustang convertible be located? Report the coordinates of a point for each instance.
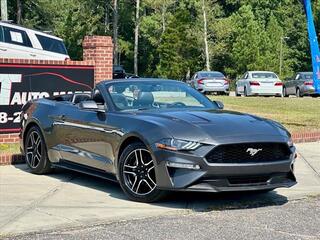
(155, 135)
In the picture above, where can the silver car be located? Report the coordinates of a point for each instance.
(259, 83)
(301, 85)
(206, 82)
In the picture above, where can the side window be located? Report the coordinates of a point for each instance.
(298, 77)
(16, 36)
(51, 44)
(246, 75)
(1, 34)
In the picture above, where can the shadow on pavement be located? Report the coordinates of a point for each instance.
(196, 201)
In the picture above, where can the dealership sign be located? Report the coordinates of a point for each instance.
(21, 83)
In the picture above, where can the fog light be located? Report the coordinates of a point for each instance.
(183, 165)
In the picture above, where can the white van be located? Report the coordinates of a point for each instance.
(24, 43)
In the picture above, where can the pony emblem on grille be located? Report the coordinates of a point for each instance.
(253, 151)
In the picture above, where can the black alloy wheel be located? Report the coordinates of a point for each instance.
(137, 174)
(36, 153)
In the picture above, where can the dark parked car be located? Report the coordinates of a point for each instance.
(300, 85)
(155, 135)
(120, 73)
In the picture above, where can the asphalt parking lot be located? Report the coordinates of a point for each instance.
(294, 220)
(57, 203)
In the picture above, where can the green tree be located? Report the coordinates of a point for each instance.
(178, 51)
(246, 41)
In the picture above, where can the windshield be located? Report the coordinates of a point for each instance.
(264, 75)
(211, 75)
(145, 95)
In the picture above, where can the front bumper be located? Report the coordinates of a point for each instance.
(221, 177)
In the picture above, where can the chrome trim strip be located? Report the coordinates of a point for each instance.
(100, 129)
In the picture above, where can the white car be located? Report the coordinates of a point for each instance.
(259, 83)
(23, 43)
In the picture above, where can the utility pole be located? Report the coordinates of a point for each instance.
(4, 10)
(136, 38)
(205, 35)
(115, 32)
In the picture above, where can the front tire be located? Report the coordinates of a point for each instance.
(236, 91)
(36, 152)
(137, 174)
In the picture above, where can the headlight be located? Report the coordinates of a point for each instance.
(177, 145)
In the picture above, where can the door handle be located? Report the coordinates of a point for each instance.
(3, 49)
(33, 55)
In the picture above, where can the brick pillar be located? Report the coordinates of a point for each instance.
(100, 50)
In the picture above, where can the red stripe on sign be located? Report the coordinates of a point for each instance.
(10, 129)
(46, 66)
(59, 75)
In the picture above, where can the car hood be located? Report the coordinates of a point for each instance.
(213, 126)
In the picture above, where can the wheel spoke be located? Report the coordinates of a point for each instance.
(151, 188)
(29, 159)
(33, 160)
(29, 147)
(132, 173)
(150, 169)
(37, 141)
(32, 138)
(137, 158)
(139, 184)
(134, 184)
(148, 163)
(132, 167)
(151, 180)
(141, 157)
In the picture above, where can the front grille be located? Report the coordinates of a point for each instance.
(249, 153)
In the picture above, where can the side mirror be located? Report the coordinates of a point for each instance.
(219, 104)
(90, 105)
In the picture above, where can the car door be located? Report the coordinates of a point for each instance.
(288, 84)
(87, 138)
(16, 44)
(295, 84)
(241, 82)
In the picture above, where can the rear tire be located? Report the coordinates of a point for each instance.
(137, 174)
(245, 92)
(284, 92)
(36, 152)
(298, 93)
